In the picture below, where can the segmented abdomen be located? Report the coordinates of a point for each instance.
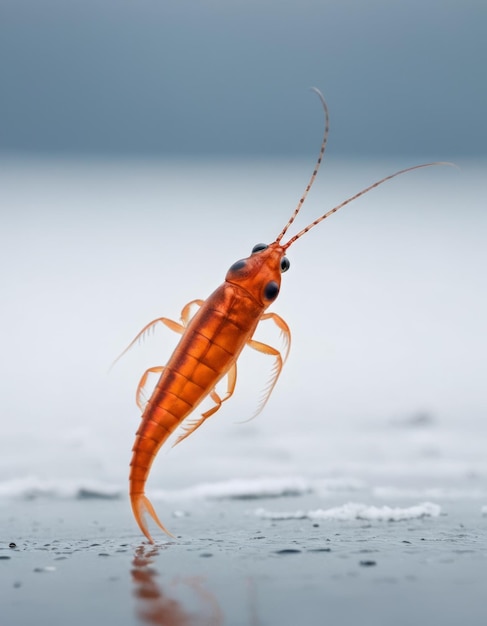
(209, 347)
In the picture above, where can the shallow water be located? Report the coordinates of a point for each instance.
(78, 562)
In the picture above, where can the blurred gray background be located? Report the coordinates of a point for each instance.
(220, 77)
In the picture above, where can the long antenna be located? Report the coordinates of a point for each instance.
(357, 195)
(317, 166)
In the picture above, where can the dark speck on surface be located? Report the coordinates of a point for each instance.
(319, 550)
(12, 545)
(244, 581)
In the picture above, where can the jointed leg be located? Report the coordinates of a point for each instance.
(186, 312)
(141, 401)
(192, 425)
(172, 325)
(276, 370)
(279, 359)
(285, 331)
(175, 326)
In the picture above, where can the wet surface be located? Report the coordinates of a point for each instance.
(81, 562)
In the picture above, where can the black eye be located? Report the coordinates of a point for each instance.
(238, 265)
(258, 247)
(271, 290)
(285, 264)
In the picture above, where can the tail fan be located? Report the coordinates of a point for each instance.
(141, 505)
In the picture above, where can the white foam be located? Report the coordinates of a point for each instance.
(32, 486)
(355, 511)
(239, 489)
(256, 488)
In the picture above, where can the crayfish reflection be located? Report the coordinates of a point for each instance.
(182, 602)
